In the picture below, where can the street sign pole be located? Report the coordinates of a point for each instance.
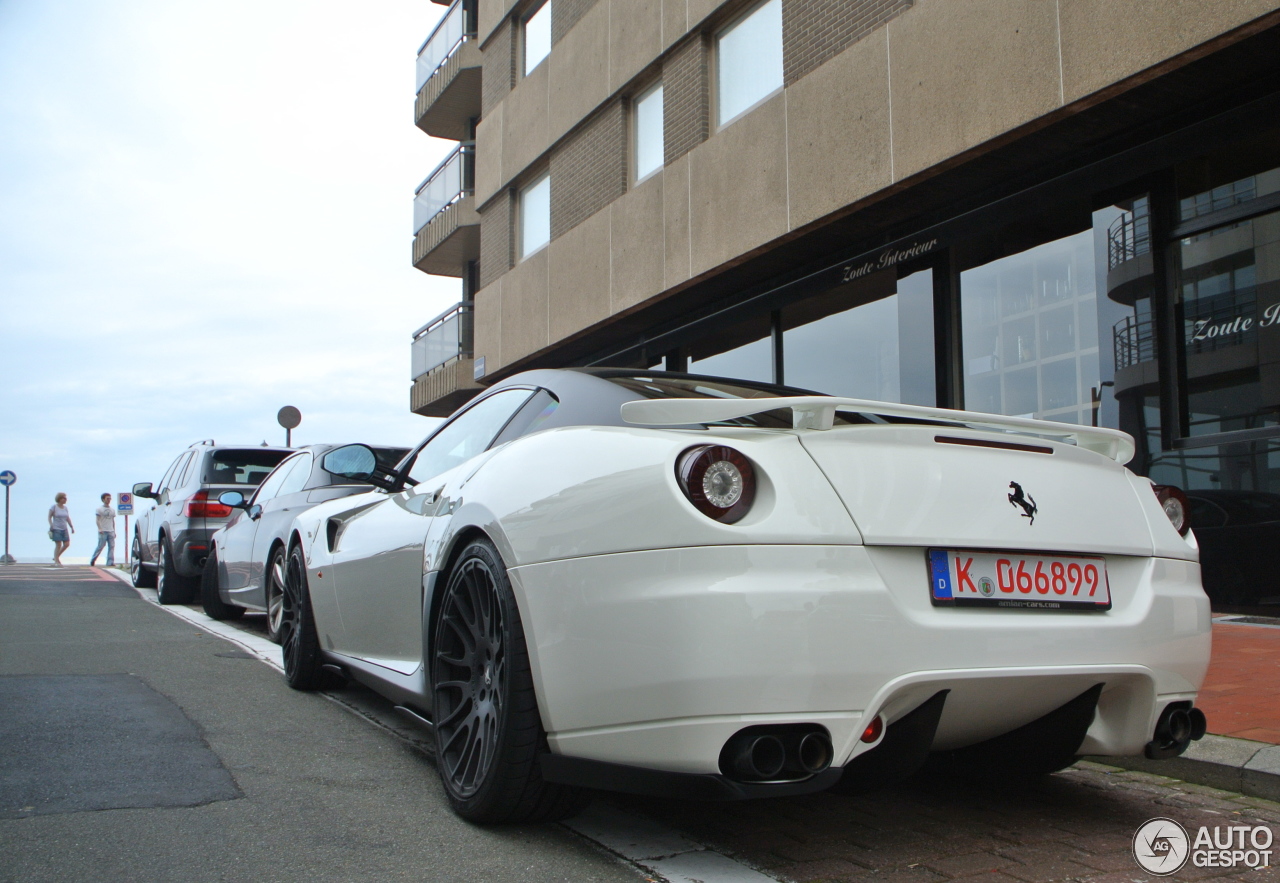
(126, 539)
(124, 505)
(7, 478)
(289, 417)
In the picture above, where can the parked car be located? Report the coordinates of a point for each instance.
(700, 587)
(245, 567)
(1239, 537)
(171, 537)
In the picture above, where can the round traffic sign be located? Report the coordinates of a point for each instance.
(289, 417)
(7, 478)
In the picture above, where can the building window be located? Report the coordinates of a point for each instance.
(648, 129)
(742, 351)
(748, 61)
(537, 37)
(868, 339)
(535, 216)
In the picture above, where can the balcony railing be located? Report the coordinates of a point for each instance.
(443, 339)
(1128, 237)
(451, 32)
(453, 179)
(1135, 341)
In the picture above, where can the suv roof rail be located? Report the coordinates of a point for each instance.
(203, 441)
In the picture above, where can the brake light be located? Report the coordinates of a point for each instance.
(1176, 506)
(719, 481)
(200, 506)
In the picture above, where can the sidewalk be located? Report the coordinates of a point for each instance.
(1241, 699)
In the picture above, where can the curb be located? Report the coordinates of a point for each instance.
(1238, 765)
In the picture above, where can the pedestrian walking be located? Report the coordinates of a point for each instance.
(106, 517)
(60, 527)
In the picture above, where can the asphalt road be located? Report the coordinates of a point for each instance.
(134, 745)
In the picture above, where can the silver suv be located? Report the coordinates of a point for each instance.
(171, 539)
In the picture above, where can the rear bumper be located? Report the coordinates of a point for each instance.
(654, 659)
(191, 548)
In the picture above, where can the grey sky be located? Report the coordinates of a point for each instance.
(205, 214)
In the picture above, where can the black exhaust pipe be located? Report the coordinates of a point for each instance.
(758, 758)
(814, 752)
(777, 753)
(1179, 725)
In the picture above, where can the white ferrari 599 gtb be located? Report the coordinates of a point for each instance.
(690, 586)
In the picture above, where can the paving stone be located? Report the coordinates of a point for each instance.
(968, 865)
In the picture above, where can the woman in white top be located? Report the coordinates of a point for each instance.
(59, 525)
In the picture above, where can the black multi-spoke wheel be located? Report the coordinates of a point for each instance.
(142, 578)
(302, 658)
(210, 597)
(488, 732)
(273, 590)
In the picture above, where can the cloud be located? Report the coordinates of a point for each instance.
(205, 214)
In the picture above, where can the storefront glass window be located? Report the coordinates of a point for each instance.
(1029, 327)
(744, 351)
(871, 338)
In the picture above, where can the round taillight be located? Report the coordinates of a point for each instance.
(1176, 506)
(873, 730)
(718, 480)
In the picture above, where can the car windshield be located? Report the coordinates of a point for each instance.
(689, 386)
(247, 466)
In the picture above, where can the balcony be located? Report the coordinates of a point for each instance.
(442, 363)
(448, 84)
(445, 222)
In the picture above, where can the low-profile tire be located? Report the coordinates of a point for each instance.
(210, 600)
(142, 577)
(488, 732)
(171, 586)
(273, 591)
(303, 661)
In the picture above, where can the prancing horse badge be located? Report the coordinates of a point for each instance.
(1022, 501)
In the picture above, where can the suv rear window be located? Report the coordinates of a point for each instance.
(247, 466)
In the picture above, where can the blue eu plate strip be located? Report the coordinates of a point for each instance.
(940, 574)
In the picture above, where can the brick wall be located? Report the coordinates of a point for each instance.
(684, 98)
(498, 67)
(814, 31)
(495, 237)
(589, 170)
(565, 14)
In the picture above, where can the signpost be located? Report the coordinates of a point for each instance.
(124, 505)
(7, 478)
(289, 417)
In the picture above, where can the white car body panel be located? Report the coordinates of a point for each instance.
(628, 646)
(655, 632)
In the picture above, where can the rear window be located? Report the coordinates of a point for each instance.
(691, 386)
(247, 466)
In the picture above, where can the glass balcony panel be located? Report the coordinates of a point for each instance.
(441, 340)
(443, 42)
(450, 181)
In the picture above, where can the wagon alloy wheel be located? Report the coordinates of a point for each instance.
(302, 658)
(487, 728)
(142, 578)
(171, 586)
(273, 589)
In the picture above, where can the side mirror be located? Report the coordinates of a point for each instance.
(234, 499)
(143, 489)
(358, 463)
(254, 511)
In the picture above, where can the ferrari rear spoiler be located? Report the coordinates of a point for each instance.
(818, 412)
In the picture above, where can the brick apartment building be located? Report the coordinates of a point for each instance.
(1061, 208)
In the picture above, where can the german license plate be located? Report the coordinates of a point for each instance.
(1019, 580)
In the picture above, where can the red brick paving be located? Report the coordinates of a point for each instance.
(1241, 693)
(1077, 825)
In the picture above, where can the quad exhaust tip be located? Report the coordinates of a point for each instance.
(1179, 725)
(786, 752)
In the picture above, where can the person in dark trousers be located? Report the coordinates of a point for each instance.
(106, 517)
